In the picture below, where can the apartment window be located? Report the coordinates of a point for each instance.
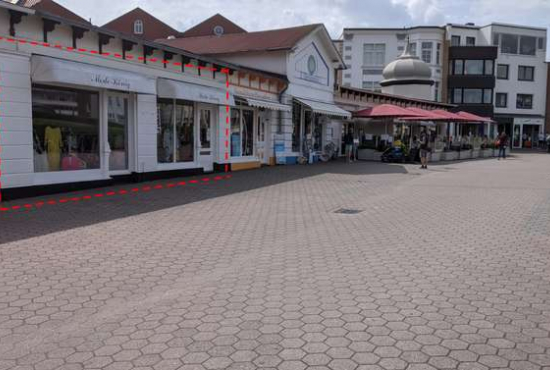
(348, 36)
(401, 36)
(436, 91)
(427, 52)
(438, 54)
(501, 100)
(509, 43)
(489, 67)
(524, 101)
(372, 71)
(374, 54)
(347, 57)
(455, 40)
(347, 48)
(473, 67)
(541, 43)
(502, 71)
(176, 131)
(472, 96)
(470, 41)
(526, 73)
(400, 49)
(496, 39)
(413, 48)
(347, 75)
(458, 67)
(528, 45)
(138, 27)
(487, 96)
(457, 96)
(372, 85)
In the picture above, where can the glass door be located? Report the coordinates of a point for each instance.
(117, 131)
(206, 136)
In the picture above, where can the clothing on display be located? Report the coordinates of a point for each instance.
(53, 144)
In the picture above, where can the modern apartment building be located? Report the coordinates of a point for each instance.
(367, 51)
(498, 70)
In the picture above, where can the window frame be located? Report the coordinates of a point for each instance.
(523, 96)
(241, 109)
(526, 68)
(139, 27)
(455, 37)
(497, 101)
(470, 38)
(375, 54)
(507, 71)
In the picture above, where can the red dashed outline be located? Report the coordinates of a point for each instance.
(40, 204)
(143, 189)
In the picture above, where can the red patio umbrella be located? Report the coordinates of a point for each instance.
(451, 116)
(474, 117)
(426, 115)
(385, 111)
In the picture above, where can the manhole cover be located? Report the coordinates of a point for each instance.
(348, 211)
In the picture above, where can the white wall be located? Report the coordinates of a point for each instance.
(16, 120)
(274, 61)
(389, 38)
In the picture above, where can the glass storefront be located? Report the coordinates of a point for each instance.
(175, 131)
(65, 129)
(242, 132)
(118, 132)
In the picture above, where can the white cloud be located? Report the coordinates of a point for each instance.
(423, 11)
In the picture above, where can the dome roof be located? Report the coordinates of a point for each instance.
(407, 69)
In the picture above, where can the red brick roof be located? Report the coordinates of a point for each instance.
(206, 28)
(153, 28)
(281, 39)
(50, 6)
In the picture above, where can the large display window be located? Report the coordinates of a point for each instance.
(175, 131)
(117, 132)
(65, 129)
(242, 132)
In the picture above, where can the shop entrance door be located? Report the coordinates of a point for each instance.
(261, 127)
(206, 155)
(118, 129)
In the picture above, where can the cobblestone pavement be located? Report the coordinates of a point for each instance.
(443, 269)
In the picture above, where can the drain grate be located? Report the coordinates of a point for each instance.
(348, 211)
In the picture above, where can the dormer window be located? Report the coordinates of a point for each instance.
(138, 27)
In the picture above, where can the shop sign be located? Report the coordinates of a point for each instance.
(111, 82)
(529, 121)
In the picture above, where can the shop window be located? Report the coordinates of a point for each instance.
(524, 101)
(526, 73)
(501, 100)
(374, 54)
(242, 132)
(138, 27)
(427, 52)
(65, 129)
(176, 131)
(470, 41)
(205, 128)
(502, 71)
(473, 67)
(296, 118)
(317, 133)
(528, 45)
(118, 132)
(509, 43)
(455, 40)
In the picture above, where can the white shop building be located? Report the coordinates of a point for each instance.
(83, 105)
(308, 118)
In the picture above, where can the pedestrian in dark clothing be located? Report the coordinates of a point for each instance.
(502, 145)
(348, 141)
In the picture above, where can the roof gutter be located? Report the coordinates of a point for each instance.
(17, 8)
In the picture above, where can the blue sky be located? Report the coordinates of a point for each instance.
(256, 15)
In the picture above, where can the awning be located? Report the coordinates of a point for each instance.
(189, 91)
(325, 108)
(52, 70)
(260, 103)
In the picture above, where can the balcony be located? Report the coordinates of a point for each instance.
(472, 81)
(473, 52)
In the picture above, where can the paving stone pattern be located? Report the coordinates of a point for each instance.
(443, 269)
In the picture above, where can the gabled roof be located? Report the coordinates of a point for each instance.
(272, 40)
(153, 28)
(50, 6)
(206, 28)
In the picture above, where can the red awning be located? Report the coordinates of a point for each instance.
(385, 111)
(451, 116)
(426, 115)
(474, 117)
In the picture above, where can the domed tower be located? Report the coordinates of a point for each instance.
(408, 76)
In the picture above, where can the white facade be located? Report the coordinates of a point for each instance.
(368, 50)
(34, 80)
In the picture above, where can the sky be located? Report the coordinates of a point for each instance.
(256, 15)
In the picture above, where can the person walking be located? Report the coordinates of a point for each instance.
(348, 141)
(502, 145)
(424, 149)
